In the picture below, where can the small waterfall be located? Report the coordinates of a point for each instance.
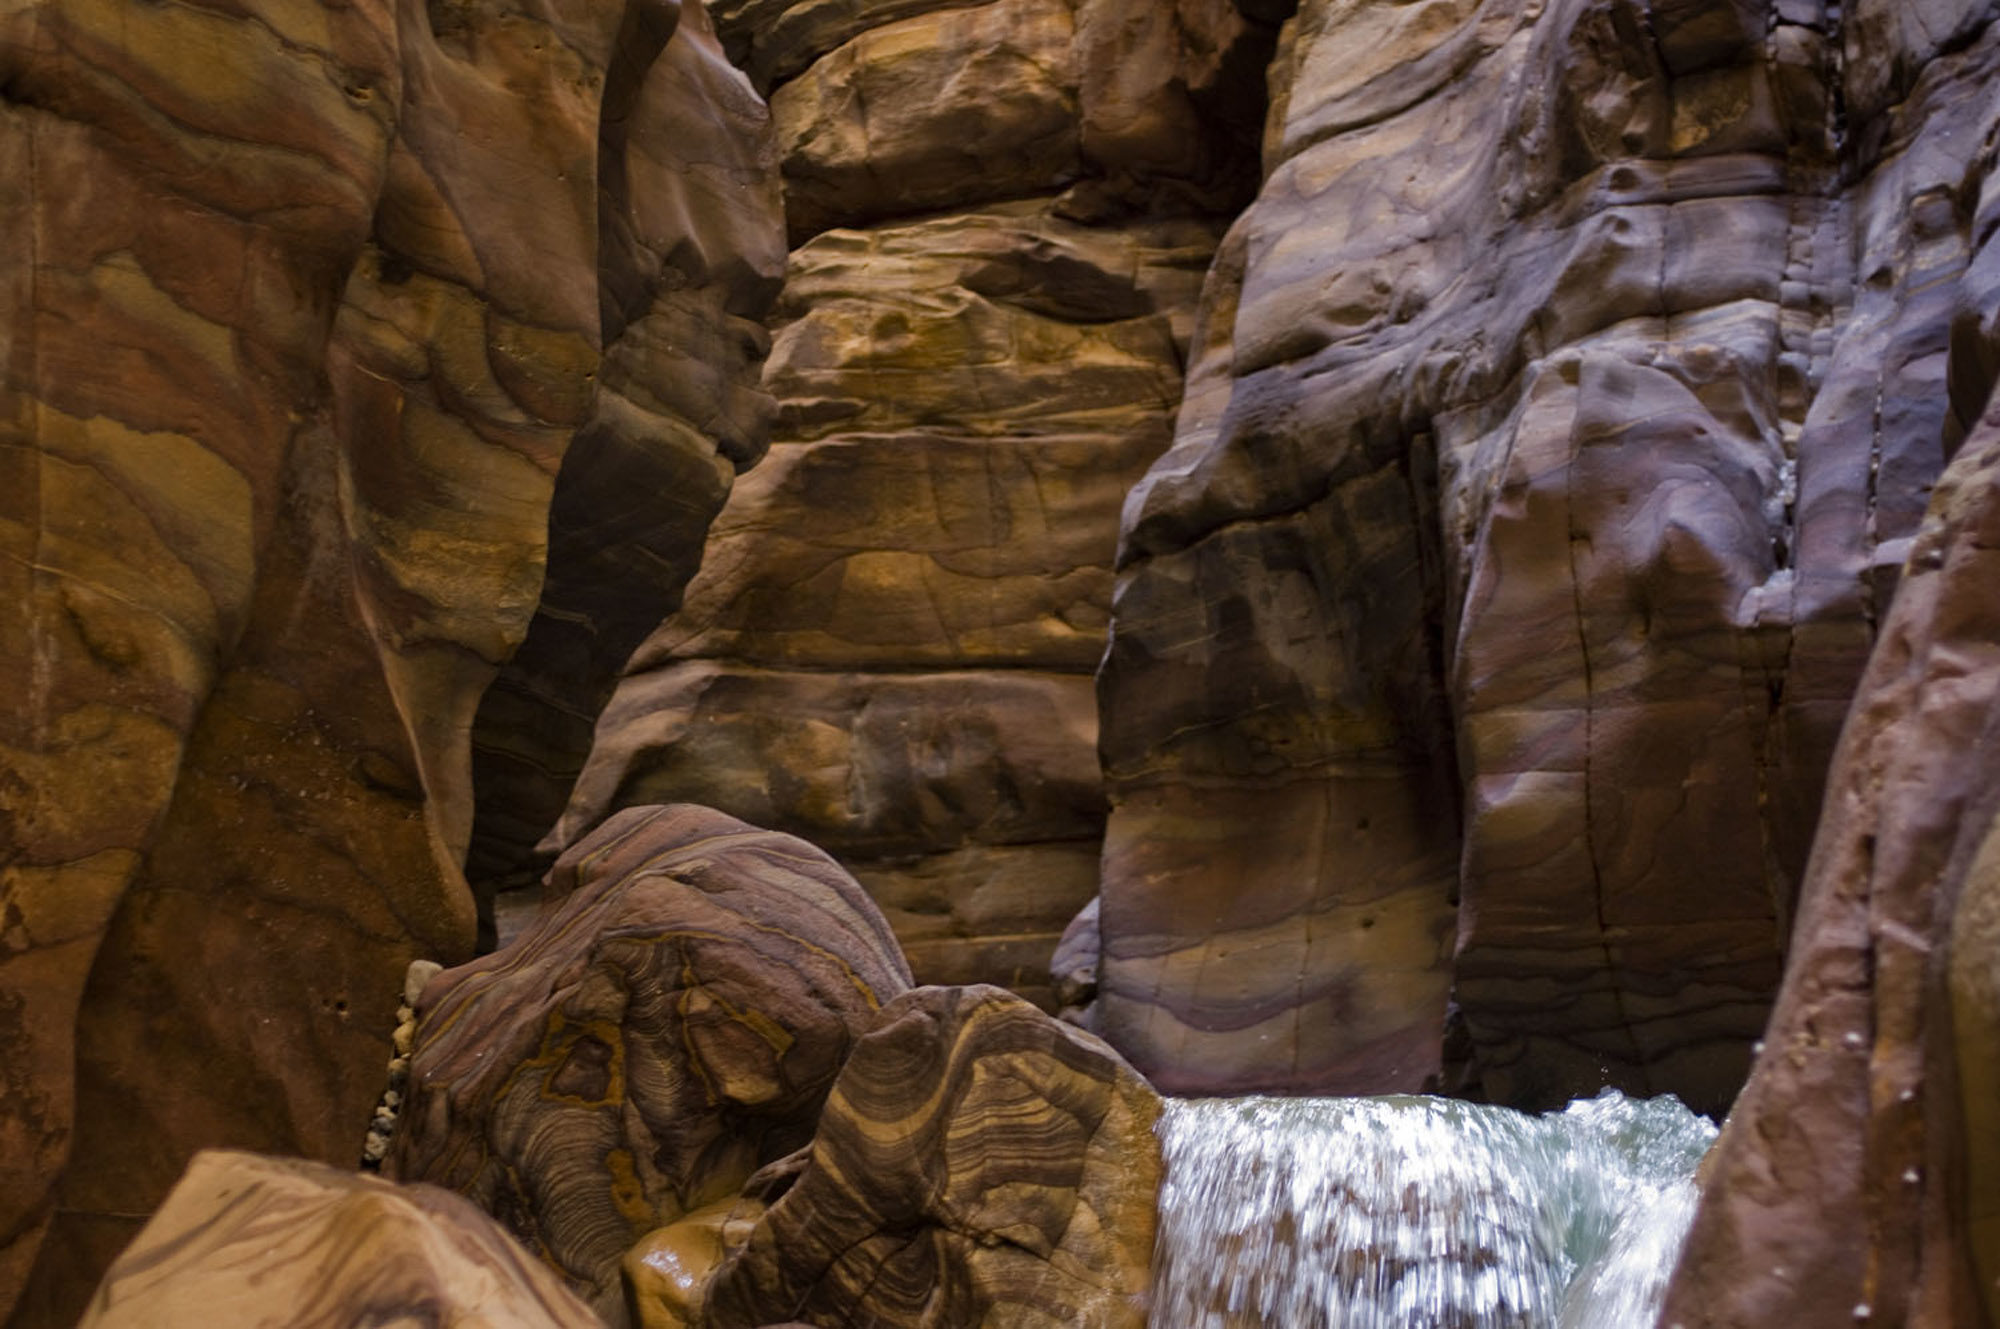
(1421, 1213)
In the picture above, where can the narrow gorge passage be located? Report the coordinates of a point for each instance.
(869, 592)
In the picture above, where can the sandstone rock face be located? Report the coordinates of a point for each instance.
(1558, 415)
(266, 1243)
(688, 264)
(300, 307)
(669, 1026)
(1856, 1178)
(978, 1163)
(1001, 214)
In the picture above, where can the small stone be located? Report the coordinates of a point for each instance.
(416, 977)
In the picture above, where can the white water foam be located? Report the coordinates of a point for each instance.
(1421, 1213)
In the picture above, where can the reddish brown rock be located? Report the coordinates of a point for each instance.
(690, 259)
(1001, 214)
(888, 649)
(1855, 1179)
(265, 1243)
(977, 1163)
(666, 1027)
(300, 308)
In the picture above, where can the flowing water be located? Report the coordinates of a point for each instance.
(1421, 1213)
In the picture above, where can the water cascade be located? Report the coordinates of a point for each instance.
(1421, 1213)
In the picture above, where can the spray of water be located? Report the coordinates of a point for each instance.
(1421, 1213)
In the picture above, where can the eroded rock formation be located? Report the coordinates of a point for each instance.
(669, 1026)
(263, 1243)
(1560, 412)
(300, 307)
(977, 1163)
(1002, 215)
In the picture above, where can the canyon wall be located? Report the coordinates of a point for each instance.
(303, 305)
(1562, 410)
(1001, 217)
(1856, 1178)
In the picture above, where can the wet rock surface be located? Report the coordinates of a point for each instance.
(1873, 1097)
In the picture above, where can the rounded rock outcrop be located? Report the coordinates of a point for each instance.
(262, 1243)
(979, 1162)
(668, 1026)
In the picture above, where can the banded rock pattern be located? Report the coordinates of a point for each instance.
(1858, 1177)
(267, 1243)
(657, 1034)
(300, 307)
(1001, 215)
(978, 1163)
(1559, 414)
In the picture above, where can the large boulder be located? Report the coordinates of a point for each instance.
(267, 1243)
(669, 1025)
(978, 1163)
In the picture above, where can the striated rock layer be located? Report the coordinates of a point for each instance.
(300, 308)
(978, 1163)
(266, 1243)
(1559, 413)
(1858, 1178)
(1001, 215)
(669, 1027)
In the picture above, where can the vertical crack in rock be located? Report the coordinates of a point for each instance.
(1587, 752)
(689, 258)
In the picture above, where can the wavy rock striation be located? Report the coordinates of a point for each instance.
(300, 308)
(265, 1243)
(669, 1026)
(977, 1163)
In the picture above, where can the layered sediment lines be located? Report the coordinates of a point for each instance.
(1001, 216)
(267, 1243)
(300, 308)
(1856, 1177)
(644, 1046)
(977, 1163)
